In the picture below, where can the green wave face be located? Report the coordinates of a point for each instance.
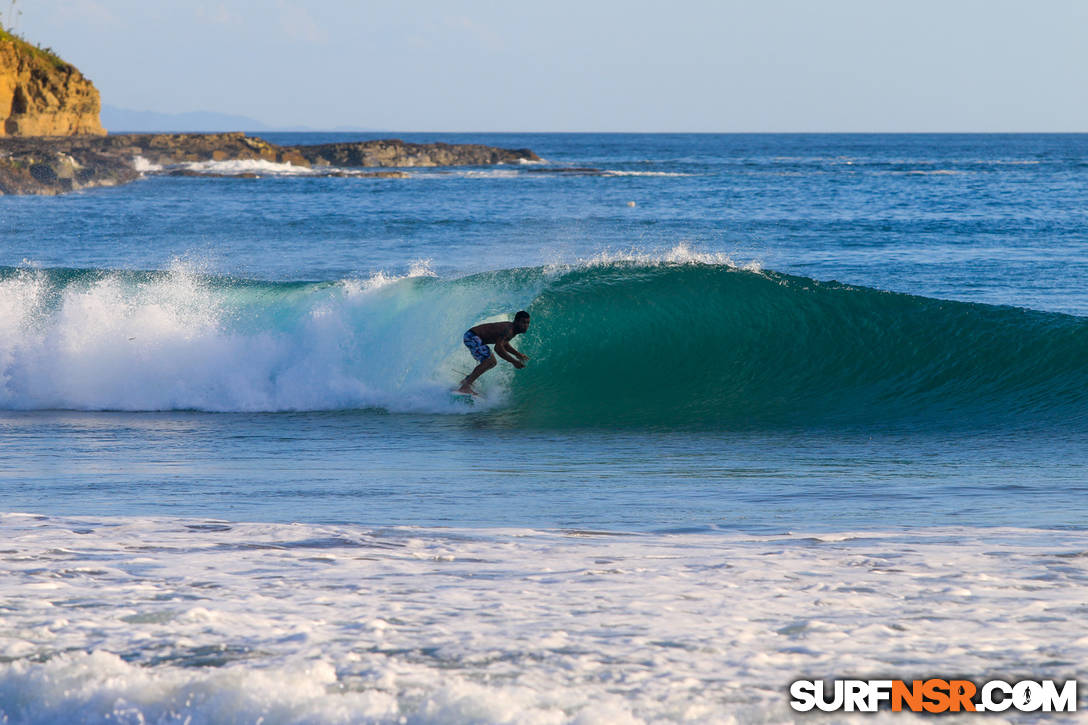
(709, 346)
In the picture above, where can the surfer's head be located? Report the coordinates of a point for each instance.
(521, 322)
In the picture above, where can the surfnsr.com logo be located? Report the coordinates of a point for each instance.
(933, 695)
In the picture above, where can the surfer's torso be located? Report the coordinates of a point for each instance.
(494, 332)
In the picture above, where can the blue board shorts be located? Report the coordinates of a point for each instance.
(476, 346)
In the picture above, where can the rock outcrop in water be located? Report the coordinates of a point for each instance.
(41, 95)
(393, 152)
(60, 164)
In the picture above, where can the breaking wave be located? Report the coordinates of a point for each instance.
(677, 341)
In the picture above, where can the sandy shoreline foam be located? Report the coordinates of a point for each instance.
(166, 617)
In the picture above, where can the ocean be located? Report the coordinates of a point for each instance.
(798, 407)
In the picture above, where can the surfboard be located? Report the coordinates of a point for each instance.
(464, 398)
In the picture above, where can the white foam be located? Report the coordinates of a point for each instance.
(680, 254)
(180, 341)
(469, 174)
(250, 166)
(611, 172)
(334, 624)
(379, 279)
(489, 174)
(142, 165)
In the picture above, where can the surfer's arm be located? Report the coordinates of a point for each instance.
(503, 350)
(518, 355)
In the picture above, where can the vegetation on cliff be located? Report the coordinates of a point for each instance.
(25, 46)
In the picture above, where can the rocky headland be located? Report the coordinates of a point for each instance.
(51, 140)
(59, 164)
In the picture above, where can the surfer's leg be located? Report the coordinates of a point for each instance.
(483, 367)
(483, 355)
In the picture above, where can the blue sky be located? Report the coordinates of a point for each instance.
(424, 65)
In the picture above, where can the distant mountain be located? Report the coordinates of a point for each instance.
(119, 120)
(125, 119)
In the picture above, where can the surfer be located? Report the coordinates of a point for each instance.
(498, 334)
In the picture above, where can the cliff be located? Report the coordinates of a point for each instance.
(41, 95)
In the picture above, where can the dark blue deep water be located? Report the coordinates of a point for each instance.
(754, 332)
